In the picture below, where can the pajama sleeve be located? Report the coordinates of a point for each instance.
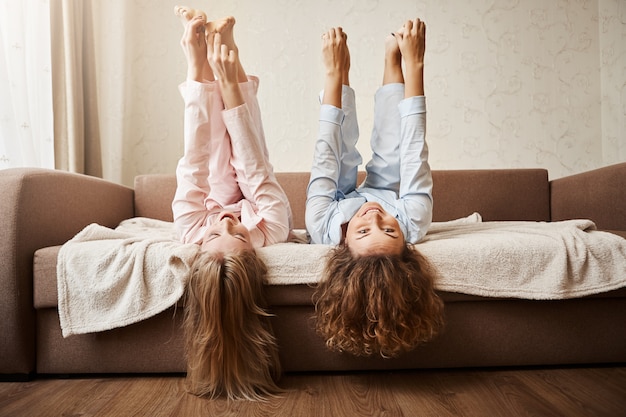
(256, 178)
(333, 176)
(415, 202)
(192, 208)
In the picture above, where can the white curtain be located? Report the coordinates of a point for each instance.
(76, 124)
(26, 116)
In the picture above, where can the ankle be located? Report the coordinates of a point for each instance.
(345, 79)
(393, 73)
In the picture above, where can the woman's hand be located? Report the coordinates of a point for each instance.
(225, 63)
(194, 46)
(412, 41)
(335, 55)
(336, 59)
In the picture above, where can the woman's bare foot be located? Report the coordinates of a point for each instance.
(225, 27)
(187, 13)
(412, 43)
(393, 61)
(392, 49)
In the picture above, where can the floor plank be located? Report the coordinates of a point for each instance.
(578, 391)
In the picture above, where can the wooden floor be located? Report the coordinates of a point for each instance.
(501, 392)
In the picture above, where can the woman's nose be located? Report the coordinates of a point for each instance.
(230, 224)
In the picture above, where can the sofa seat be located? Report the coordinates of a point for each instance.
(480, 331)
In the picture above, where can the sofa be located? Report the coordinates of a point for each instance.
(42, 209)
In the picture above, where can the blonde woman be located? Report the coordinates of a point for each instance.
(229, 202)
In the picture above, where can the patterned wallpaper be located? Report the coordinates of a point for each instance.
(509, 83)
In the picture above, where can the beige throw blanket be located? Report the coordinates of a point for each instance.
(531, 260)
(110, 278)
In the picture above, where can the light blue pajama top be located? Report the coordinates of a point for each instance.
(398, 175)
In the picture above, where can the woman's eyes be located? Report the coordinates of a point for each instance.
(212, 236)
(387, 230)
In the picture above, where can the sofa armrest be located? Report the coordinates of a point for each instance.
(599, 195)
(41, 208)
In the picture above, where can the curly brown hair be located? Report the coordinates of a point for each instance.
(230, 346)
(384, 304)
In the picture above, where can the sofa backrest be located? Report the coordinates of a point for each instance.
(498, 194)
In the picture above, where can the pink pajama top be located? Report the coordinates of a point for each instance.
(225, 166)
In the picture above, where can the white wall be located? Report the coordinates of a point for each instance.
(509, 83)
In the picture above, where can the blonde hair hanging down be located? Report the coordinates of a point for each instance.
(230, 346)
(379, 304)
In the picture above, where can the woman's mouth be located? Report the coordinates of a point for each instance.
(227, 215)
(372, 209)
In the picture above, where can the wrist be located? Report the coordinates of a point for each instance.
(194, 75)
(231, 94)
(413, 89)
(334, 74)
(415, 65)
(195, 71)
